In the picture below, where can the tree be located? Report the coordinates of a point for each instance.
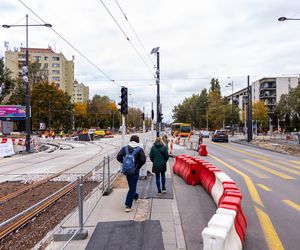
(51, 105)
(6, 82)
(260, 113)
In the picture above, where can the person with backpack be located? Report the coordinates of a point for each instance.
(159, 156)
(132, 157)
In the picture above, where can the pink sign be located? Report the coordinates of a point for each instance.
(12, 111)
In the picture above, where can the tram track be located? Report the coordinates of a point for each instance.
(40, 182)
(18, 221)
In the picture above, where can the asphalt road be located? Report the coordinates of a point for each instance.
(269, 183)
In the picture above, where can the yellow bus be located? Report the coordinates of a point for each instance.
(181, 129)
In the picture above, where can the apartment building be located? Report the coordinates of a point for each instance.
(54, 66)
(267, 89)
(81, 93)
(270, 89)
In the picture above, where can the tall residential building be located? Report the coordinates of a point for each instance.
(81, 93)
(54, 66)
(267, 89)
(270, 89)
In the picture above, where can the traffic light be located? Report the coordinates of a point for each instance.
(124, 101)
(152, 114)
(143, 116)
(161, 117)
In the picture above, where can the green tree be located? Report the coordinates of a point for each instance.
(48, 102)
(6, 82)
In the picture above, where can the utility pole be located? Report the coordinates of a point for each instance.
(26, 79)
(152, 117)
(155, 51)
(249, 130)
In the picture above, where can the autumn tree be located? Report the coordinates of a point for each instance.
(260, 113)
(51, 105)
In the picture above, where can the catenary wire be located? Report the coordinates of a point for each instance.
(133, 30)
(72, 46)
(127, 38)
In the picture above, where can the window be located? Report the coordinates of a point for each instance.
(55, 58)
(46, 65)
(36, 58)
(57, 85)
(55, 71)
(56, 78)
(46, 58)
(55, 65)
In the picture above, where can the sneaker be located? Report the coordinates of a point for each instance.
(159, 192)
(128, 209)
(164, 191)
(136, 197)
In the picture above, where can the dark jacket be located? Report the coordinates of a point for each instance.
(140, 158)
(159, 156)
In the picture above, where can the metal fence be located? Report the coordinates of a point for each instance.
(107, 170)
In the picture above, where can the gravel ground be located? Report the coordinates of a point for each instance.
(37, 228)
(278, 146)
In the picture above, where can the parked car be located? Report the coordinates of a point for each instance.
(220, 135)
(205, 133)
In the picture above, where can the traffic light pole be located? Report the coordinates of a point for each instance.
(123, 131)
(249, 130)
(158, 96)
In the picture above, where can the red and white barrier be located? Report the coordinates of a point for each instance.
(227, 228)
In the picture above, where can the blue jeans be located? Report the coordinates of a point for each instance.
(163, 180)
(132, 183)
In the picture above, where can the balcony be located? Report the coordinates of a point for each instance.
(267, 96)
(268, 87)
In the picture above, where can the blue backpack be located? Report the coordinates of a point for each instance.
(128, 164)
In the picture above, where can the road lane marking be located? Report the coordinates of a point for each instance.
(297, 162)
(292, 204)
(281, 167)
(270, 170)
(264, 187)
(271, 236)
(287, 164)
(250, 185)
(252, 171)
(244, 152)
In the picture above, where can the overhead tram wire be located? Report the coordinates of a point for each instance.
(72, 46)
(127, 38)
(133, 30)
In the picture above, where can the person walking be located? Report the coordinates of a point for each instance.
(159, 156)
(139, 160)
(200, 140)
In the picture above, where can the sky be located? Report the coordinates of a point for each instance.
(198, 40)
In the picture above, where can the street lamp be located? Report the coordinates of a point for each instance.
(25, 77)
(155, 51)
(281, 19)
(230, 84)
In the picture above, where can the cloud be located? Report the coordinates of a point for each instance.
(198, 40)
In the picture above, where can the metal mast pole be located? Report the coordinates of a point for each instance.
(158, 96)
(27, 97)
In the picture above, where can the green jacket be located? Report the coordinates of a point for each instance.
(159, 156)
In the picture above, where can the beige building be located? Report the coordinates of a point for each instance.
(55, 67)
(81, 93)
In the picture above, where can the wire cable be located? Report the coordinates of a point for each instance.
(127, 38)
(72, 46)
(133, 30)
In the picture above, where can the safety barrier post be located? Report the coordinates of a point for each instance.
(103, 176)
(80, 202)
(108, 190)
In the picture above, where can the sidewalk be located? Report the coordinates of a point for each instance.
(111, 209)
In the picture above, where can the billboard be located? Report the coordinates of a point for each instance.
(12, 112)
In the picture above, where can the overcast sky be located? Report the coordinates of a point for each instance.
(198, 40)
